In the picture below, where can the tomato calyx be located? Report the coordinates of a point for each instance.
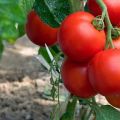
(115, 33)
(98, 23)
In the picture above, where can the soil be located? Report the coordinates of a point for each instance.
(22, 83)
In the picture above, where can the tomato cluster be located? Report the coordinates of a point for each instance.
(88, 68)
(79, 45)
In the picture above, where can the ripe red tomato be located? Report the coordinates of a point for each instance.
(116, 43)
(104, 72)
(78, 38)
(113, 7)
(39, 32)
(114, 100)
(75, 79)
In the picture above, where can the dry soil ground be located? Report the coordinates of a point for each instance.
(22, 82)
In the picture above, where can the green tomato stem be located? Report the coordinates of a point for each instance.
(103, 7)
(81, 5)
(109, 25)
(70, 108)
(77, 5)
(115, 33)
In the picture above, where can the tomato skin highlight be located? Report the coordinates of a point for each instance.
(78, 38)
(75, 79)
(39, 32)
(104, 72)
(113, 7)
(114, 100)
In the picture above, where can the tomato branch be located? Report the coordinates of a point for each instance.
(109, 25)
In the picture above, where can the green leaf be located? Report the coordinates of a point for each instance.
(86, 8)
(59, 8)
(56, 49)
(42, 10)
(12, 19)
(21, 29)
(107, 112)
(44, 53)
(53, 50)
(11, 14)
(8, 30)
(52, 12)
(49, 53)
(44, 58)
(43, 61)
(26, 5)
(70, 110)
(10, 10)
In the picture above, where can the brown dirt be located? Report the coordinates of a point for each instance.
(22, 82)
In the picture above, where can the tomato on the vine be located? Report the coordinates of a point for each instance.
(114, 100)
(113, 7)
(79, 39)
(75, 79)
(104, 72)
(39, 32)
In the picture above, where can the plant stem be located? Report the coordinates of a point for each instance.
(109, 25)
(59, 91)
(81, 5)
(109, 35)
(77, 5)
(103, 7)
(70, 109)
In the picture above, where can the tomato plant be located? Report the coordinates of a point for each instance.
(78, 38)
(75, 79)
(86, 60)
(113, 7)
(104, 72)
(39, 32)
(114, 100)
